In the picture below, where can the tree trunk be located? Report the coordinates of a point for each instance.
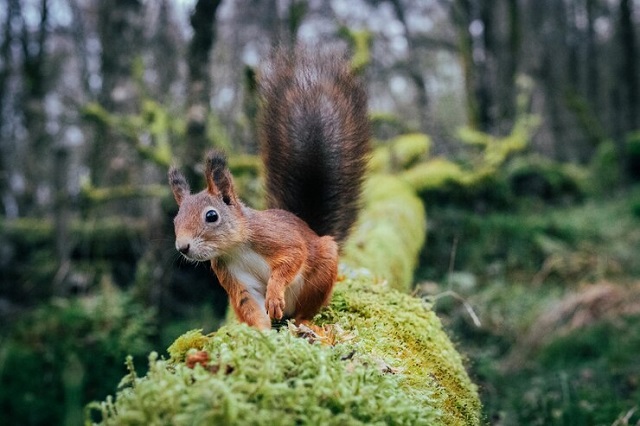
(38, 159)
(592, 78)
(62, 217)
(415, 71)
(9, 201)
(120, 30)
(461, 12)
(199, 86)
(629, 71)
(78, 29)
(628, 88)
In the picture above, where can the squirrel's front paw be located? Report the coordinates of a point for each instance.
(275, 305)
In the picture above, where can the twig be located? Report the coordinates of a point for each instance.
(452, 259)
(467, 306)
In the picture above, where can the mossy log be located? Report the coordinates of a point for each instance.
(389, 233)
(436, 173)
(382, 358)
(400, 153)
(375, 355)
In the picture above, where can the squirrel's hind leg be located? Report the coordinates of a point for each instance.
(319, 281)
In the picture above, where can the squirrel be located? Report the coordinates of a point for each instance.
(314, 142)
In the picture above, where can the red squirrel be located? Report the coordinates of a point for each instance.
(314, 142)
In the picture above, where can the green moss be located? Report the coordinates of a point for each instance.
(150, 132)
(435, 174)
(94, 196)
(407, 335)
(384, 125)
(69, 351)
(190, 340)
(360, 42)
(391, 363)
(389, 233)
(401, 152)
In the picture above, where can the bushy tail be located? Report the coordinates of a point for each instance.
(314, 137)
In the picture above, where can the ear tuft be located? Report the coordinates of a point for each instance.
(216, 164)
(179, 185)
(219, 180)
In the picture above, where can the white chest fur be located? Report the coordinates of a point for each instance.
(253, 271)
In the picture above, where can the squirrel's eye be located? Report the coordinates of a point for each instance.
(211, 216)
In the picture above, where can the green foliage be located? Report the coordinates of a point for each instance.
(68, 352)
(634, 203)
(558, 339)
(588, 376)
(385, 125)
(113, 237)
(632, 148)
(151, 132)
(389, 233)
(92, 197)
(569, 243)
(605, 168)
(533, 176)
(607, 171)
(518, 183)
(492, 152)
(28, 259)
(217, 132)
(390, 363)
(246, 170)
(360, 42)
(488, 172)
(484, 244)
(109, 247)
(297, 11)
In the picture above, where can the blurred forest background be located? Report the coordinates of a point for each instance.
(519, 119)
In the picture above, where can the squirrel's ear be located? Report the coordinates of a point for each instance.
(219, 180)
(179, 185)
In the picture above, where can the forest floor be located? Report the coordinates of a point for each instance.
(545, 303)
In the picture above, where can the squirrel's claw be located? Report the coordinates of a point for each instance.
(275, 306)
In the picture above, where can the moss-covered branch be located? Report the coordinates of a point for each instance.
(95, 196)
(389, 233)
(108, 238)
(382, 358)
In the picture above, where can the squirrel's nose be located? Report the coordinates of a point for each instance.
(183, 247)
